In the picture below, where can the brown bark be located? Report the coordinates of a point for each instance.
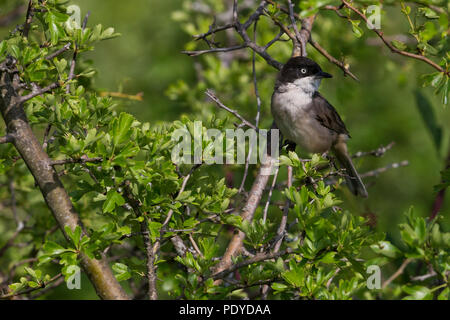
(46, 177)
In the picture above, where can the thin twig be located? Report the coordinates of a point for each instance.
(258, 109)
(213, 30)
(283, 222)
(424, 276)
(242, 31)
(46, 89)
(183, 186)
(58, 52)
(194, 244)
(216, 50)
(257, 258)
(379, 152)
(344, 67)
(397, 273)
(213, 97)
(26, 291)
(299, 49)
(269, 196)
(47, 288)
(376, 172)
(150, 254)
(390, 46)
(281, 228)
(78, 160)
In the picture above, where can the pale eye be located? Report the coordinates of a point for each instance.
(303, 70)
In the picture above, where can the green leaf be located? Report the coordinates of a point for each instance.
(52, 248)
(328, 257)
(279, 286)
(75, 235)
(32, 273)
(445, 294)
(109, 34)
(121, 271)
(427, 112)
(60, 65)
(421, 230)
(386, 248)
(113, 199)
(121, 128)
(398, 44)
(356, 29)
(55, 28)
(294, 278)
(417, 293)
(154, 227)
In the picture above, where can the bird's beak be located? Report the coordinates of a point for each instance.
(322, 74)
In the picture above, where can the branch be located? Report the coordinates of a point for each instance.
(376, 172)
(212, 30)
(344, 67)
(241, 29)
(282, 227)
(28, 19)
(6, 139)
(283, 222)
(257, 258)
(216, 50)
(213, 97)
(183, 186)
(269, 196)
(46, 89)
(247, 213)
(376, 153)
(397, 273)
(424, 276)
(81, 160)
(151, 269)
(58, 52)
(258, 108)
(26, 291)
(39, 164)
(390, 46)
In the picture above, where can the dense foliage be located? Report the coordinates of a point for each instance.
(145, 214)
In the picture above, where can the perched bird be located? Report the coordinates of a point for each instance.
(308, 119)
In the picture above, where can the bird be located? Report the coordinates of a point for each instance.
(307, 119)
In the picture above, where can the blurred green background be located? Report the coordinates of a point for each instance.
(377, 110)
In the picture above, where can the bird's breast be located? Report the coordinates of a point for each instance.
(293, 112)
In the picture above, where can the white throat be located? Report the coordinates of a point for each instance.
(308, 85)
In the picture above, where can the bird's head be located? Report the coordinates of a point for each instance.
(302, 72)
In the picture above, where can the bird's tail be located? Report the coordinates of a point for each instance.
(352, 177)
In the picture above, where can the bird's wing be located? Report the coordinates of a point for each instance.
(327, 115)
